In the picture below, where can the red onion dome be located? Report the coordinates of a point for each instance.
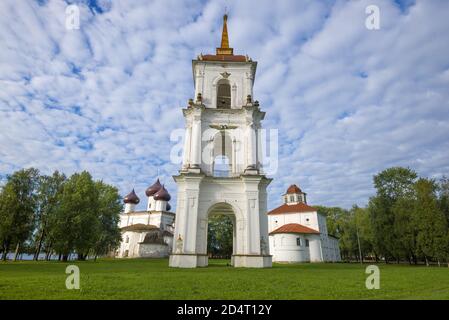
(131, 198)
(153, 188)
(293, 189)
(168, 208)
(162, 194)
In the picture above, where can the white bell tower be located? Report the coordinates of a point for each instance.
(221, 171)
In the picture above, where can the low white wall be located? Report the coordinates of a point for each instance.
(151, 250)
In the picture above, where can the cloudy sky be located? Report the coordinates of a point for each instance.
(347, 101)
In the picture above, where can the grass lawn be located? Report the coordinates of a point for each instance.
(152, 279)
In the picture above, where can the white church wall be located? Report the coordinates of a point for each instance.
(286, 249)
(315, 249)
(308, 219)
(207, 75)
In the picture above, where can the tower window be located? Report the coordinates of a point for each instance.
(298, 242)
(224, 95)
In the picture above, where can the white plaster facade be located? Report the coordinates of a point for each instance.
(298, 233)
(229, 131)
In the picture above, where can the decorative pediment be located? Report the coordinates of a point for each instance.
(225, 74)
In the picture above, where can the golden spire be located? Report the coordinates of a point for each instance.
(224, 49)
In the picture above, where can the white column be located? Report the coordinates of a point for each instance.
(234, 96)
(248, 86)
(233, 155)
(196, 143)
(251, 152)
(187, 143)
(199, 80)
(259, 157)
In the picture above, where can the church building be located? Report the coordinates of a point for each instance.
(147, 233)
(298, 232)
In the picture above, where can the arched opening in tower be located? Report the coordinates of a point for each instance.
(222, 155)
(221, 234)
(224, 94)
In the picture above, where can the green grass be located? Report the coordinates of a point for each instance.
(152, 279)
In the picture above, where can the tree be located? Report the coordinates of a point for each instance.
(443, 196)
(48, 196)
(108, 212)
(220, 235)
(391, 185)
(364, 231)
(76, 221)
(405, 228)
(432, 238)
(17, 207)
(348, 237)
(334, 216)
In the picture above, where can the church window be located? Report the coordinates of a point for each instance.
(224, 95)
(298, 242)
(307, 242)
(127, 239)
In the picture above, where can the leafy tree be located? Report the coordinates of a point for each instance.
(220, 235)
(76, 220)
(443, 196)
(405, 228)
(17, 207)
(432, 236)
(334, 217)
(364, 231)
(348, 237)
(391, 185)
(108, 212)
(48, 196)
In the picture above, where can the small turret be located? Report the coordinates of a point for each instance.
(131, 200)
(294, 195)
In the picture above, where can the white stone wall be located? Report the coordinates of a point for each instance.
(208, 74)
(129, 247)
(132, 246)
(152, 250)
(285, 248)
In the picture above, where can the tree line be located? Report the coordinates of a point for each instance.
(406, 220)
(53, 214)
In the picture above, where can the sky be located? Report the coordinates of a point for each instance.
(347, 101)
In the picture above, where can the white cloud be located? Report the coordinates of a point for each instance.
(347, 101)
